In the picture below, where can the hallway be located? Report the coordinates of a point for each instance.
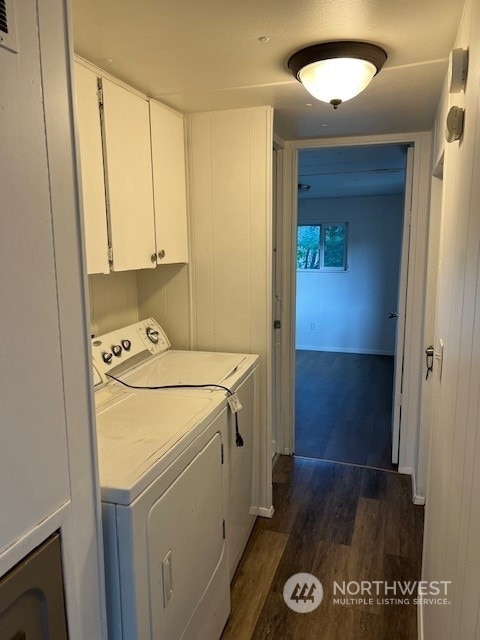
(343, 407)
(341, 523)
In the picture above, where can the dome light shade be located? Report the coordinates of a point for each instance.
(337, 71)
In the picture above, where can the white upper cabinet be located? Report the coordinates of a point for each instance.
(128, 168)
(169, 184)
(132, 157)
(91, 163)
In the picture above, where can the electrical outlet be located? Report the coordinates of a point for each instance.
(314, 325)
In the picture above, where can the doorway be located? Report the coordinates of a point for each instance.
(352, 238)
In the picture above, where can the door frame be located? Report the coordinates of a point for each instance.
(416, 288)
(397, 394)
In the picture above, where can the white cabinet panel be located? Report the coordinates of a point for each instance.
(127, 156)
(91, 162)
(168, 157)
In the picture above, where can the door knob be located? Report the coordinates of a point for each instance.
(153, 257)
(392, 315)
(161, 254)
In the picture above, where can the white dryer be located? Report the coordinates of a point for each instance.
(163, 507)
(140, 356)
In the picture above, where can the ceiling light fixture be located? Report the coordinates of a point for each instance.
(337, 71)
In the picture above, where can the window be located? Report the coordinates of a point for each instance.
(322, 246)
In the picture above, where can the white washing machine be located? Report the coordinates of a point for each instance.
(140, 356)
(163, 506)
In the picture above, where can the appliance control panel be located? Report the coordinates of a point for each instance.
(126, 345)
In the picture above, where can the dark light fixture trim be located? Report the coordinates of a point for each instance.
(345, 49)
(338, 49)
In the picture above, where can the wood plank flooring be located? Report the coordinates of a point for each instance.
(344, 407)
(339, 522)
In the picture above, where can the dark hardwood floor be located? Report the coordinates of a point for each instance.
(344, 407)
(339, 522)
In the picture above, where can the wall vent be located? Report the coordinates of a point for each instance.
(3, 17)
(8, 32)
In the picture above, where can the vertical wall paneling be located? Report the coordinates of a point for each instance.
(113, 301)
(230, 158)
(163, 294)
(452, 531)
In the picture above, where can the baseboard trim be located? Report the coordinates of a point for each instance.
(263, 512)
(366, 352)
(420, 632)
(274, 449)
(406, 471)
(416, 497)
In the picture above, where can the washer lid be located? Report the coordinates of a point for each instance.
(136, 433)
(186, 367)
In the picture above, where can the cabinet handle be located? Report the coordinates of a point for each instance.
(153, 257)
(161, 254)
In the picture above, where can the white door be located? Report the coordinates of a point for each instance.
(128, 166)
(401, 309)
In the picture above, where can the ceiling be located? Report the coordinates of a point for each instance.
(352, 171)
(200, 56)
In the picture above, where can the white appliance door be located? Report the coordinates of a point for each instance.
(185, 543)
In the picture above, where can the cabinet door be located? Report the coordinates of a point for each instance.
(91, 163)
(128, 165)
(169, 184)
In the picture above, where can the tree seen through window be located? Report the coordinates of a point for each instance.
(322, 247)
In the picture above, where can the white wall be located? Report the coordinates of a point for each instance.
(124, 297)
(452, 532)
(163, 293)
(230, 170)
(351, 308)
(113, 301)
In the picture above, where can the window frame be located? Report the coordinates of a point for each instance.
(322, 268)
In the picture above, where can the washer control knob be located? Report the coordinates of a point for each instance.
(116, 350)
(152, 335)
(107, 357)
(126, 344)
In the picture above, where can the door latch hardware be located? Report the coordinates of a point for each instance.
(277, 324)
(429, 353)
